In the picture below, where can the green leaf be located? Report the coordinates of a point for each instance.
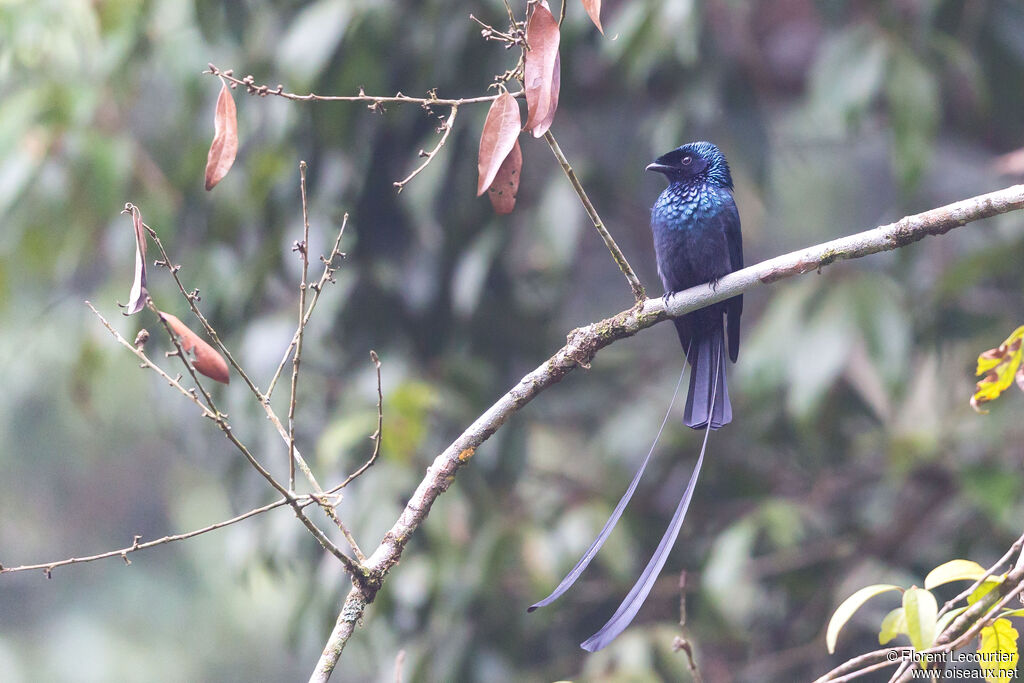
(984, 589)
(848, 74)
(998, 650)
(848, 607)
(894, 624)
(921, 614)
(913, 97)
(946, 618)
(727, 578)
(954, 570)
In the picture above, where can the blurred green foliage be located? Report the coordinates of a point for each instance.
(854, 459)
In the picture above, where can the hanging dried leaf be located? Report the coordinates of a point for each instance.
(138, 294)
(542, 127)
(503, 190)
(1000, 368)
(542, 36)
(593, 8)
(205, 359)
(225, 139)
(497, 139)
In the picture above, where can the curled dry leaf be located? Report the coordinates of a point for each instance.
(593, 8)
(502, 191)
(225, 139)
(542, 126)
(542, 36)
(497, 139)
(205, 359)
(1000, 367)
(138, 294)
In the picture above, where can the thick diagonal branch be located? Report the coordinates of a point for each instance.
(583, 344)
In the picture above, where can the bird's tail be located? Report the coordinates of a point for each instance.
(707, 403)
(634, 600)
(606, 531)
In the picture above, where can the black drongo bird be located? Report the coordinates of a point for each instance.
(696, 239)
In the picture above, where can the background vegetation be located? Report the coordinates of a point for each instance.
(855, 457)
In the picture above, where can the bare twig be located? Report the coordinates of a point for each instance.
(375, 101)
(191, 298)
(137, 546)
(303, 249)
(617, 255)
(180, 352)
(219, 419)
(1014, 550)
(956, 634)
(445, 130)
(488, 32)
(147, 363)
(582, 345)
(399, 663)
(863, 672)
(318, 288)
(376, 436)
(682, 642)
(861, 662)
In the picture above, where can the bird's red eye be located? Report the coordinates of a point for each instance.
(686, 161)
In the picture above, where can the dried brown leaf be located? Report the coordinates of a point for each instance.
(542, 126)
(138, 294)
(593, 8)
(542, 36)
(503, 190)
(225, 139)
(501, 128)
(205, 359)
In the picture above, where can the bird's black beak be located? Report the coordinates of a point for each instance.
(658, 168)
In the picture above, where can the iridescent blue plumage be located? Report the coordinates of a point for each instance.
(696, 239)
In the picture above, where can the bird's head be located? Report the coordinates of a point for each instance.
(694, 162)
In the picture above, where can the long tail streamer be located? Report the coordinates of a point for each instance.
(635, 598)
(574, 574)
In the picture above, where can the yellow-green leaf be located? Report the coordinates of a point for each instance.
(946, 618)
(954, 570)
(984, 589)
(848, 607)
(894, 624)
(999, 366)
(921, 614)
(998, 651)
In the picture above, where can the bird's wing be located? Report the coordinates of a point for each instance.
(730, 221)
(733, 235)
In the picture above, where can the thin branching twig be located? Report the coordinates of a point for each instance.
(318, 288)
(191, 298)
(584, 343)
(149, 364)
(609, 241)
(375, 101)
(136, 545)
(376, 436)
(303, 249)
(445, 130)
